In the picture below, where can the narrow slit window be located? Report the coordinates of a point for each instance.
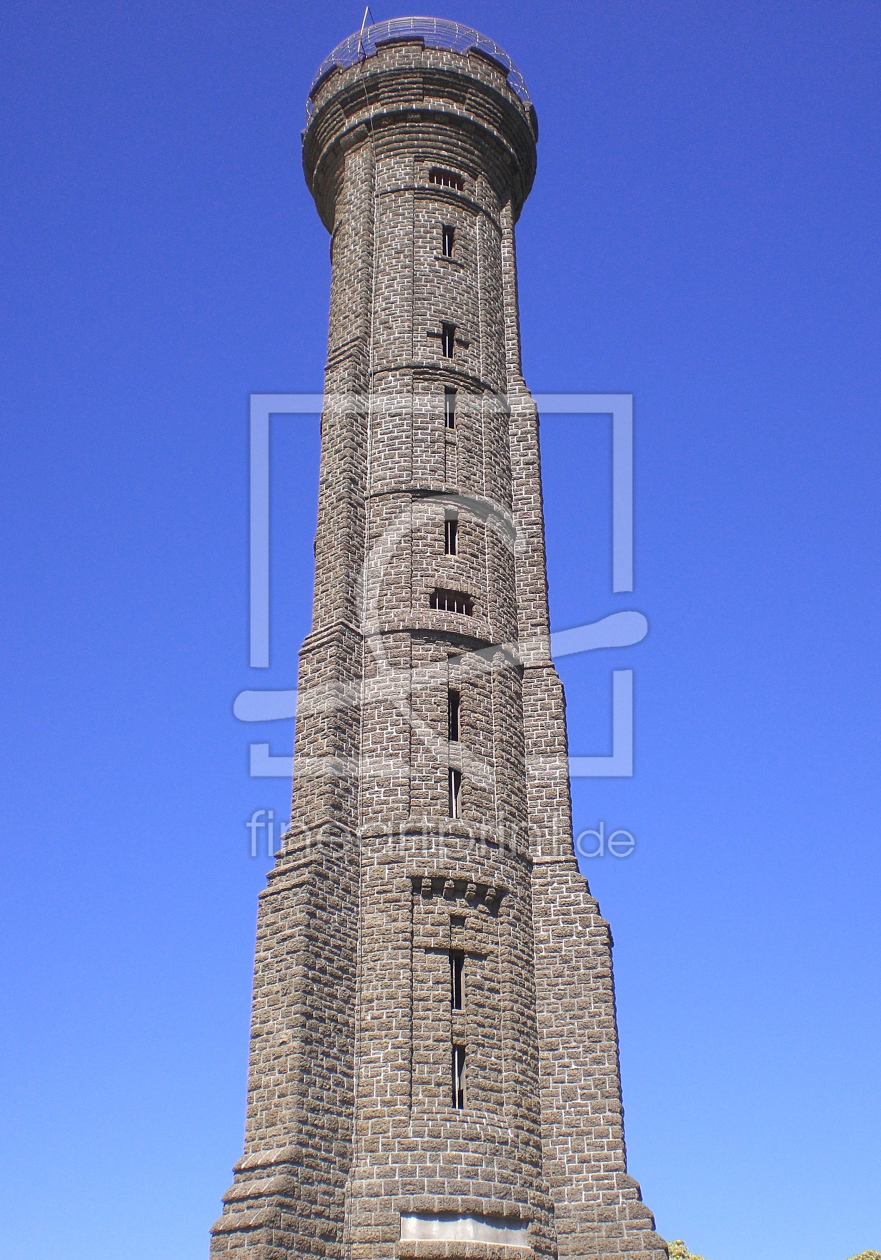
(451, 537)
(446, 179)
(457, 971)
(448, 337)
(453, 703)
(455, 789)
(448, 235)
(451, 601)
(459, 1078)
(449, 407)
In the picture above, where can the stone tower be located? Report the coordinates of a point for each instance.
(434, 1063)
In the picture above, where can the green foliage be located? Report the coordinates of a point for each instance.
(679, 1251)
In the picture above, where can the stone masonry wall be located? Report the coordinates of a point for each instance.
(433, 1034)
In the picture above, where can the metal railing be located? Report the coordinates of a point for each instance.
(435, 32)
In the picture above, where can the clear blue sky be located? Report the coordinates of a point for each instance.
(703, 233)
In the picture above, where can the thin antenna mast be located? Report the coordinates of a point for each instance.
(363, 27)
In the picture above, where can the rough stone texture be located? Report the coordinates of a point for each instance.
(351, 1116)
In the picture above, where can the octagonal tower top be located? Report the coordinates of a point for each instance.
(434, 33)
(413, 70)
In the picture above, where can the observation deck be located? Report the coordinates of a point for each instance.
(434, 32)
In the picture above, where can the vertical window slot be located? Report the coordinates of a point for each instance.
(453, 702)
(459, 1078)
(455, 790)
(451, 536)
(449, 407)
(457, 969)
(448, 336)
(448, 235)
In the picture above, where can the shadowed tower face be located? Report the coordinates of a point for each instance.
(434, 1066)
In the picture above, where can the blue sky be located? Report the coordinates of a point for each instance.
(703, 233)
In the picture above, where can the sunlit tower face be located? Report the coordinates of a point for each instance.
(428, 1017)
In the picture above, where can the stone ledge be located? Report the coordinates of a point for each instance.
(238, 1222)
(410, 1250)
(258, 1189)
(269, 1159)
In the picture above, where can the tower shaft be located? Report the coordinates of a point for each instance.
(433, 1065)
